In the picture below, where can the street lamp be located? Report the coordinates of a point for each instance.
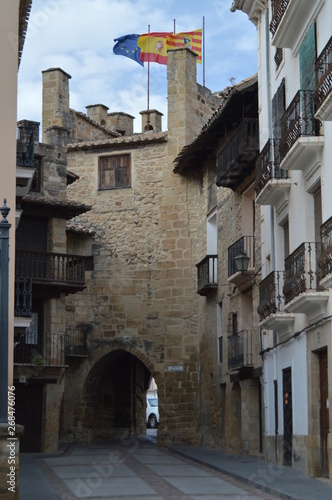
(242, 262)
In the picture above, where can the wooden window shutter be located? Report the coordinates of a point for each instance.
(318, 213)
(278, 109)
(307, 58)
(114, 171)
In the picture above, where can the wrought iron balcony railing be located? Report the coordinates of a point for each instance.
(50, 267)
(268, 165)
(323, 74)
(301, 270)
(238, 155)
(240, 350)
(25, 146)
(246, 244)
(278, 10)
(23, 297)
(325, 258)
(47, 350)
(76, 345)
(297, 121)
(271, 299)
(207, 277)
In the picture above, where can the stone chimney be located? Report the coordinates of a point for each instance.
(182, 90)
(154, 118)
(121, 122)
(97, 113)
(55, 99)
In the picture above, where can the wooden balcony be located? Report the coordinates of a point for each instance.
(271, 309)
(243, 281)
(237, 157)
(51, 273)
(288, 21)
(302, 289)
(323, 94)
(325, 258)
(300, 144)
(46, 350)
(240, 350)
(272, 184)
(207, 276)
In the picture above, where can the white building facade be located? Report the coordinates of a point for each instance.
(294, 187)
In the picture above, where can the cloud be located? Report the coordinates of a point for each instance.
(78, 37)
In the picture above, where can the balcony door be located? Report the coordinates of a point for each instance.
(212, 244)
(31, 234)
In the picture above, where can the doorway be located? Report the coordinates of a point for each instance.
(324, 411)
(288, 415)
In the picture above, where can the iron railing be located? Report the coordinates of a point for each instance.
(23, 297)
(246, 244)
(278, 57)
(301, 270)
(76, 345)
(244, 139)
(298, 120)
(207, 277)
(278, 10)
(40, 350)
(50, 267)
(271, 299)
(268, 165)
(323, 68)
(325, 258)
(240, 350)
(25, 147)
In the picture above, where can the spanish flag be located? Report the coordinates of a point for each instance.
(153, 47)
(190, 39)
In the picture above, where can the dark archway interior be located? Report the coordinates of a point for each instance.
(115, 391)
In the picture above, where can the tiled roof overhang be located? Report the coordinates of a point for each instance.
(53, 207)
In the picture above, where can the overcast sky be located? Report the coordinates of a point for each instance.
(78, 36)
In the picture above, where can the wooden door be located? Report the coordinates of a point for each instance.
(324, 412)
(29, 404)
(288, 415)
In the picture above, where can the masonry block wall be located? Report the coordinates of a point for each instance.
(141, 296)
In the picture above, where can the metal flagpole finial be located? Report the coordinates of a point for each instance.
(4, 211)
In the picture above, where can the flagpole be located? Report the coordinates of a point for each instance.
(148, 99)
(203, 51)
(174, 26)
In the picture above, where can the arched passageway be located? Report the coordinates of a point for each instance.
(114, 396)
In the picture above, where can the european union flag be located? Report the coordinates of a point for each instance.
(127, 46)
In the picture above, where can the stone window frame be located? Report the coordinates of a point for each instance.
(119, 168)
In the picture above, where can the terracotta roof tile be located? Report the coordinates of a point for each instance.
(122, 140)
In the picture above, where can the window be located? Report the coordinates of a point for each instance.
(219, 329)
(114, 172)
(36, 180)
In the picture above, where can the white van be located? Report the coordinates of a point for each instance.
(152, 413)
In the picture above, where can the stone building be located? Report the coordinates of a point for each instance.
(219, 166)
(133, 314)
(45, 272)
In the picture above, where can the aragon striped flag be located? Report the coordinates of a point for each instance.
(154, 47)
(191, 39)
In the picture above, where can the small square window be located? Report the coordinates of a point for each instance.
(114, 172)
(36, 180)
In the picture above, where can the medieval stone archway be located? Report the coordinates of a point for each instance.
(113, 403)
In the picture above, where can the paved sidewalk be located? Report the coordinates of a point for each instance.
(272, 478)
(283, 482)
